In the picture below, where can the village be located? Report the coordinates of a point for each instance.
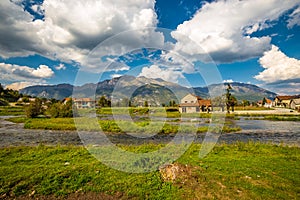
(194, 104)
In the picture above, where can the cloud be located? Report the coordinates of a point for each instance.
(115, 75)
(70, 30)
(278, 67)
(166, 74)
(228, 81)
(10, 72)
(60, 67)
(284, 88)
(20, 85)
(38, 9)
(223, 29)
(294, 19)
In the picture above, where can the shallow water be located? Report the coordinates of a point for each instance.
(277, 132)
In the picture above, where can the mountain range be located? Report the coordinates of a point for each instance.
(140, 89)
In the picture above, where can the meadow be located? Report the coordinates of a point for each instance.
(230, 171)
(236, 171)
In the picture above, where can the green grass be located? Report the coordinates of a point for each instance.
(11, 110)
(50, 124)
(251, 108)
(275, 118)
(237, 171)
(18, 119)
(282, 118)
(112, 126)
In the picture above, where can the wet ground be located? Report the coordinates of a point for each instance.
(278, 132)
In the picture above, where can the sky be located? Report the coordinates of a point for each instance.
(192, 42)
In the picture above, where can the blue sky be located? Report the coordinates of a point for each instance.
(190, 42)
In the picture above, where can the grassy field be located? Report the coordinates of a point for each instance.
(111, 126)
(236, 171)
(251, 108)
(11, 110)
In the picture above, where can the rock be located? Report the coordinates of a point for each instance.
(175, 172)
(169, 172)
(32, 193)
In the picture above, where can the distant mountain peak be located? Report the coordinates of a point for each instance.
(239, 90)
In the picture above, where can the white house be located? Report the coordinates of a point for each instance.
(295, 104)
(84, 103)
(194, 104)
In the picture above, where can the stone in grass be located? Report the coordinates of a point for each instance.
(176, 172)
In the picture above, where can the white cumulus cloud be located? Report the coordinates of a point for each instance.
(166, 74)
(71, 29)
(20, 85)
(223, 29)
(294, 18)
(11, 72)
(278, 67)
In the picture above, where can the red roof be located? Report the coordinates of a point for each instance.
(204, 102)
(285, 97)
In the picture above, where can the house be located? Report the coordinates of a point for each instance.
(193, 104)
(268, 103)
(295, 104)
(283, 101)
(84, 103)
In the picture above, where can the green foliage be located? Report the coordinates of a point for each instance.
(245, 103)
(231, 101)
(264, 101)
(172, 103)
(34, 109)
(62, 110)
(103, 102)
(146, 104)
(3, 102)
(9, 95)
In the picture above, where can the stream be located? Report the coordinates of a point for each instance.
(276, 132)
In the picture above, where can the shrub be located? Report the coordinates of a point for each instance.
(61, 110)
(3, 102)
(34, 109)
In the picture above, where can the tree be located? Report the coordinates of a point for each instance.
(1, 89)
(3, 102)
(228, 97)
(54, 110)
(172, 103)
(146, 104)
(34, 109)
(231, 101)
(103, 102)
(62, 110)
(264, 101)
(245, 103)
